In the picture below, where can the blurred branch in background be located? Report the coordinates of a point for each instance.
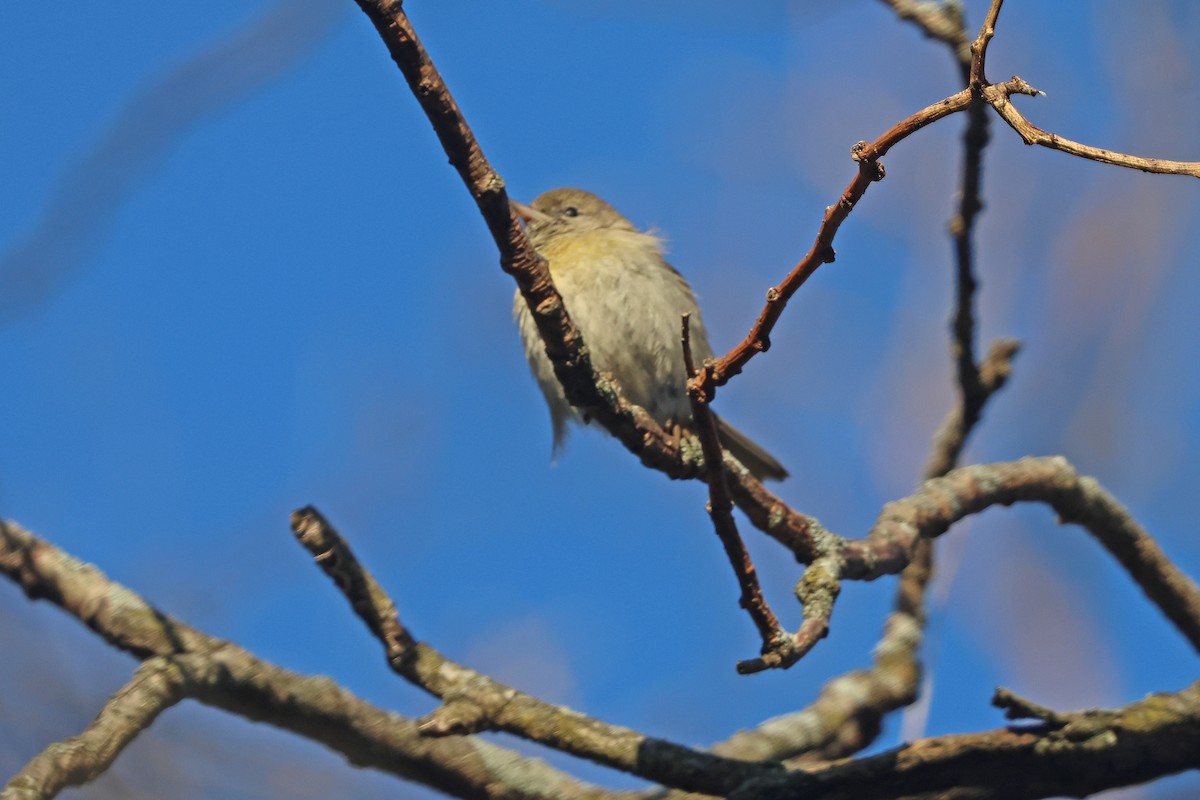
(92, 189)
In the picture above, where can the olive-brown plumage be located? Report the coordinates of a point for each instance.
(627, 302)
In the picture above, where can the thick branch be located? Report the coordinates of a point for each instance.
(474, 702)
(1081, 500)
(227, 676)
(1076, 754)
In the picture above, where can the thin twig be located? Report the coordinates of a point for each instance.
(867, 154)
(1017, 707)
(848, 712)
(817, 590)
(369, 601)
(952, 434)
(775, 641)
(962, 226)
(1031, 135)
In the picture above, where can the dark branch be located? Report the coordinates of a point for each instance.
(1077, 754)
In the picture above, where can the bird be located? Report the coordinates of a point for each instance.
(627, 301)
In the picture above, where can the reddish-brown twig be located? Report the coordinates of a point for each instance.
(1031, 135)
(867, 154)
(720, 508)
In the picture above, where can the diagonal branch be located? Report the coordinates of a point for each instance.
(867, 154)
(156, 686)
(720, 509)
(473, 702)
(226, 676)
(1031, 135)
(599, 396)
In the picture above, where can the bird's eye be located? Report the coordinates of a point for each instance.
(571, 211)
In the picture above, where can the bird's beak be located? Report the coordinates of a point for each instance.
(527, 213)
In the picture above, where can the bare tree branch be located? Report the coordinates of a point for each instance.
(775, 642)
(473, 702)
(1150, 738)
(1156, 736)
(1031, 135)
(867, 155)
(978, 76)
(1079, 500)
(155, 686)
(227, 676)
(952, 434)
(1076, 754)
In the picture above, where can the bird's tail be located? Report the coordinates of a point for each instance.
(761, 463)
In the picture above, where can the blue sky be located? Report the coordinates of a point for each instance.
(239, 277)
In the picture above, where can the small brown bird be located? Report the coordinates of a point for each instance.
(627, 302)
